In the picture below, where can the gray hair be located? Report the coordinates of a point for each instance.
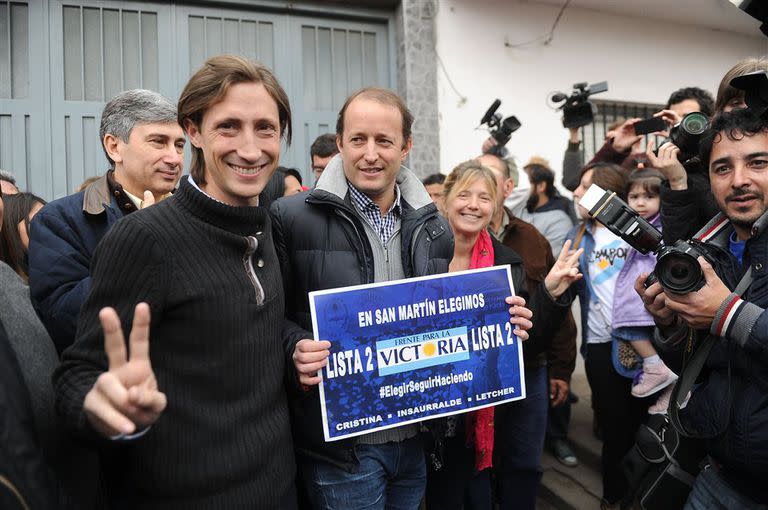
(7, 177)
(137, 106)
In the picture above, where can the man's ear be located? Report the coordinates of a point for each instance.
(508, 187)
(338, 142)
(112, 146)
(193, 132)
(406, 148)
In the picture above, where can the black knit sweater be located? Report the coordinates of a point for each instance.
(224, 439)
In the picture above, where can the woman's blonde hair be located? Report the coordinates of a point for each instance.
(464, 175)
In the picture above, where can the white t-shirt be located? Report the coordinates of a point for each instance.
(605, 263)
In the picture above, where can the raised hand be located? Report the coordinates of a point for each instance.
(564, 272)
(624, 136)
(309, 357)
(125, 399)
(668, 164)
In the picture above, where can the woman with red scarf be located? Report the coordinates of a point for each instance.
(463, 454)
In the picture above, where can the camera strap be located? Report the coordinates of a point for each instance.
(695, 364)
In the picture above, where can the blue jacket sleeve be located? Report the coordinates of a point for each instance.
(59, 275)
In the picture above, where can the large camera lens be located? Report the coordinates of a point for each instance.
(678, 270)
(694, 123)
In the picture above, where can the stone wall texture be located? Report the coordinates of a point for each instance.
(417, 80)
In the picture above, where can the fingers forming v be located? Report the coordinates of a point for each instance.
(139, 339)
(114, 341)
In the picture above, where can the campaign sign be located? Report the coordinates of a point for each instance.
(407, 350)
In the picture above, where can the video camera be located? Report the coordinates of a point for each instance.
(677, 268)
(578, 111)
(755, 87)
(686, 135)
(501, 130)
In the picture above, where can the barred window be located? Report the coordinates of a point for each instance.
(609, 112)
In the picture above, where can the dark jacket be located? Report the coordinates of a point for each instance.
(533, 248)
(684, 212)
(25, 480)
(62, 239)
(734, 388)
(75, 467)
(321, 244)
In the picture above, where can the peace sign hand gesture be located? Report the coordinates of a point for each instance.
(125, 398)
(564, 272)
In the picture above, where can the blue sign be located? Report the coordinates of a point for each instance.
(407, 350)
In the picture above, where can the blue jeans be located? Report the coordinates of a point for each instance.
(520, 429)
(390, 476)
(711, 492)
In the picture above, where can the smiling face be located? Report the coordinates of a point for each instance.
(151, 159)
(372, 148)
(738, 176)
(470, 208)
(240, 140)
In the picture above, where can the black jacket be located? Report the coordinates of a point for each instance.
(733, 394)
(25, 480)
(321, 244)
(684, 212)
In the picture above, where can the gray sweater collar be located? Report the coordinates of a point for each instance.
(333, 181)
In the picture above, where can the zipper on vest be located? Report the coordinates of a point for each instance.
(253, 244)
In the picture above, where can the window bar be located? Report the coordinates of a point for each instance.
(103, 50)
(317, 66)
(205, 37)
(346, 60)
(82, 53)
(122, 49)
(333, 73)
(141, 52)
(362, 56)
(256, 52)
(239, 37)
(8, 47)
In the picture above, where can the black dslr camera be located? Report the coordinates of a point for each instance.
(578, 111)
(500, 129)
(686, 135)
(677, 268)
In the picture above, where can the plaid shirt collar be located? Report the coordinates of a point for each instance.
(385, 225)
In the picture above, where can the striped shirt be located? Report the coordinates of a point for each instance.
(385, 225)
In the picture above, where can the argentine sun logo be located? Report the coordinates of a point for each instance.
(423, 350)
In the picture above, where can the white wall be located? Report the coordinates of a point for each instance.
(642, 60)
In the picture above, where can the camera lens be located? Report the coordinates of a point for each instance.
(679, 272)
(694, 123)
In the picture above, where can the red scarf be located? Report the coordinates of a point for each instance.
(480, 423)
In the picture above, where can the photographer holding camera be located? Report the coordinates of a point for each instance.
(729, 408)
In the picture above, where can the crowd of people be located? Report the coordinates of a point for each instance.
(156, 346)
